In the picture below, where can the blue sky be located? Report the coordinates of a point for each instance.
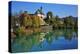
(61, 10)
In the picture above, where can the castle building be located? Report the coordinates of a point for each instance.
(40, 13)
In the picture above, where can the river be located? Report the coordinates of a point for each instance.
(58, 39)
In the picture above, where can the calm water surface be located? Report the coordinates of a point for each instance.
(49, 40)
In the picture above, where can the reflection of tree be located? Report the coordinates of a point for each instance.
(76, 31)
(27, 42)
(57, 33)
(48, 37)
(36, 39)
(68, 34)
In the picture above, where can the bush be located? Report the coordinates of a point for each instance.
(21, 31)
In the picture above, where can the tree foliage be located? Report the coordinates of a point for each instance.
(49, 15)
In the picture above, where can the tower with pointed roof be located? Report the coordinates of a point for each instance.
(40, 13)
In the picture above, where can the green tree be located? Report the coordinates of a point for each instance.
(25, 19)
(36, 21)
(69, 22)
(49, 15)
